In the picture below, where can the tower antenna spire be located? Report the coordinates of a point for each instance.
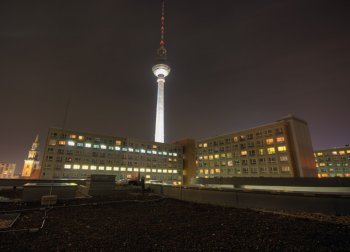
(161, 52)
(162, 25)
(161, 70)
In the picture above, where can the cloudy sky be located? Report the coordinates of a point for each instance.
(235, 64)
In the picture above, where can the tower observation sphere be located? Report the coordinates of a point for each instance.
(161, 70)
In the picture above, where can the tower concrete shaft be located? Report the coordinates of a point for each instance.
(159, 133)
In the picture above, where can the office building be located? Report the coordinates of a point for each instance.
(279, 149)
(7, 170)
(74, 154)
(334, 162)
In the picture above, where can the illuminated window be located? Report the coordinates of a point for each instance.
(200, 145)
(115, 168)
(103, 147)
(205, 145)
(348, 151)
(319, 154)
(81, 137)
(124, 149)
(175, 154)
(85, 167)
(159, 170)
(285, 169)
(118, 142)
(67, 166)
(122, 169)
(96, 146)
(217, 156)
(212, 171)
(243, 153)
(143, 151)
(117, 148)
(174, 171)
(142, 170)
(129, 169)
(80, 144)
(206, 171)
(88, 145)
(165, 153)
(71, 143)
(334, 153)
(93, 167)
(154, 146)
(271, 150)
(159, 153)
(148, 170)
(52, 142)
(230, 163)
(341, 152)
(235, 139)
(200, 157)
(73, 136)
(62, 142)
(154, 152)
(154, 170)
(269, 141)
(322, 164)
(283, 158)
(261, 152)
(217, 170)
(131, 149)
(149, 152)
(205, 157)
(165, 171)
(76, 167)
(108, 168)
(280, 139)
(282, 148)
(223, 155)
(200, 171)
(211, 157)
(170, 171)
(110, 148)
(101, 168)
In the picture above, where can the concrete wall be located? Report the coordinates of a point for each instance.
(302, 149)
(263, 200)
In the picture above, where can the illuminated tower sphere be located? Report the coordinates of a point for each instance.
(161, 70)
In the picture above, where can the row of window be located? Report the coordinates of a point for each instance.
(237, 162)
(229, 140)
(112, 148)
(122, 169)
(251, 153)
(330, 164)
(271, 169)
(341, 152)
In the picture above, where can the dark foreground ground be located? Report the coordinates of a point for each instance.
(169, 225)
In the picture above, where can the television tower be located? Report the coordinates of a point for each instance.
(161, 70)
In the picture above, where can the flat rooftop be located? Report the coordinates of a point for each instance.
(138, 223)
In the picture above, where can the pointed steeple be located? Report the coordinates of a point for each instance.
(34, 151)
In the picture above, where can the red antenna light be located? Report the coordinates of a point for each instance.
(162, 19)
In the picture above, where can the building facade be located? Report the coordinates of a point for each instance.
(279, 149)
(7, 170)
(31, 167)
(73, 154)
(333, 162)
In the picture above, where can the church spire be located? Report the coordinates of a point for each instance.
(34, 151)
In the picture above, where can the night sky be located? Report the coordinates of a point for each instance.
(235, 65)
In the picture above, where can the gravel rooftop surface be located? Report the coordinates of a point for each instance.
(149, 223)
